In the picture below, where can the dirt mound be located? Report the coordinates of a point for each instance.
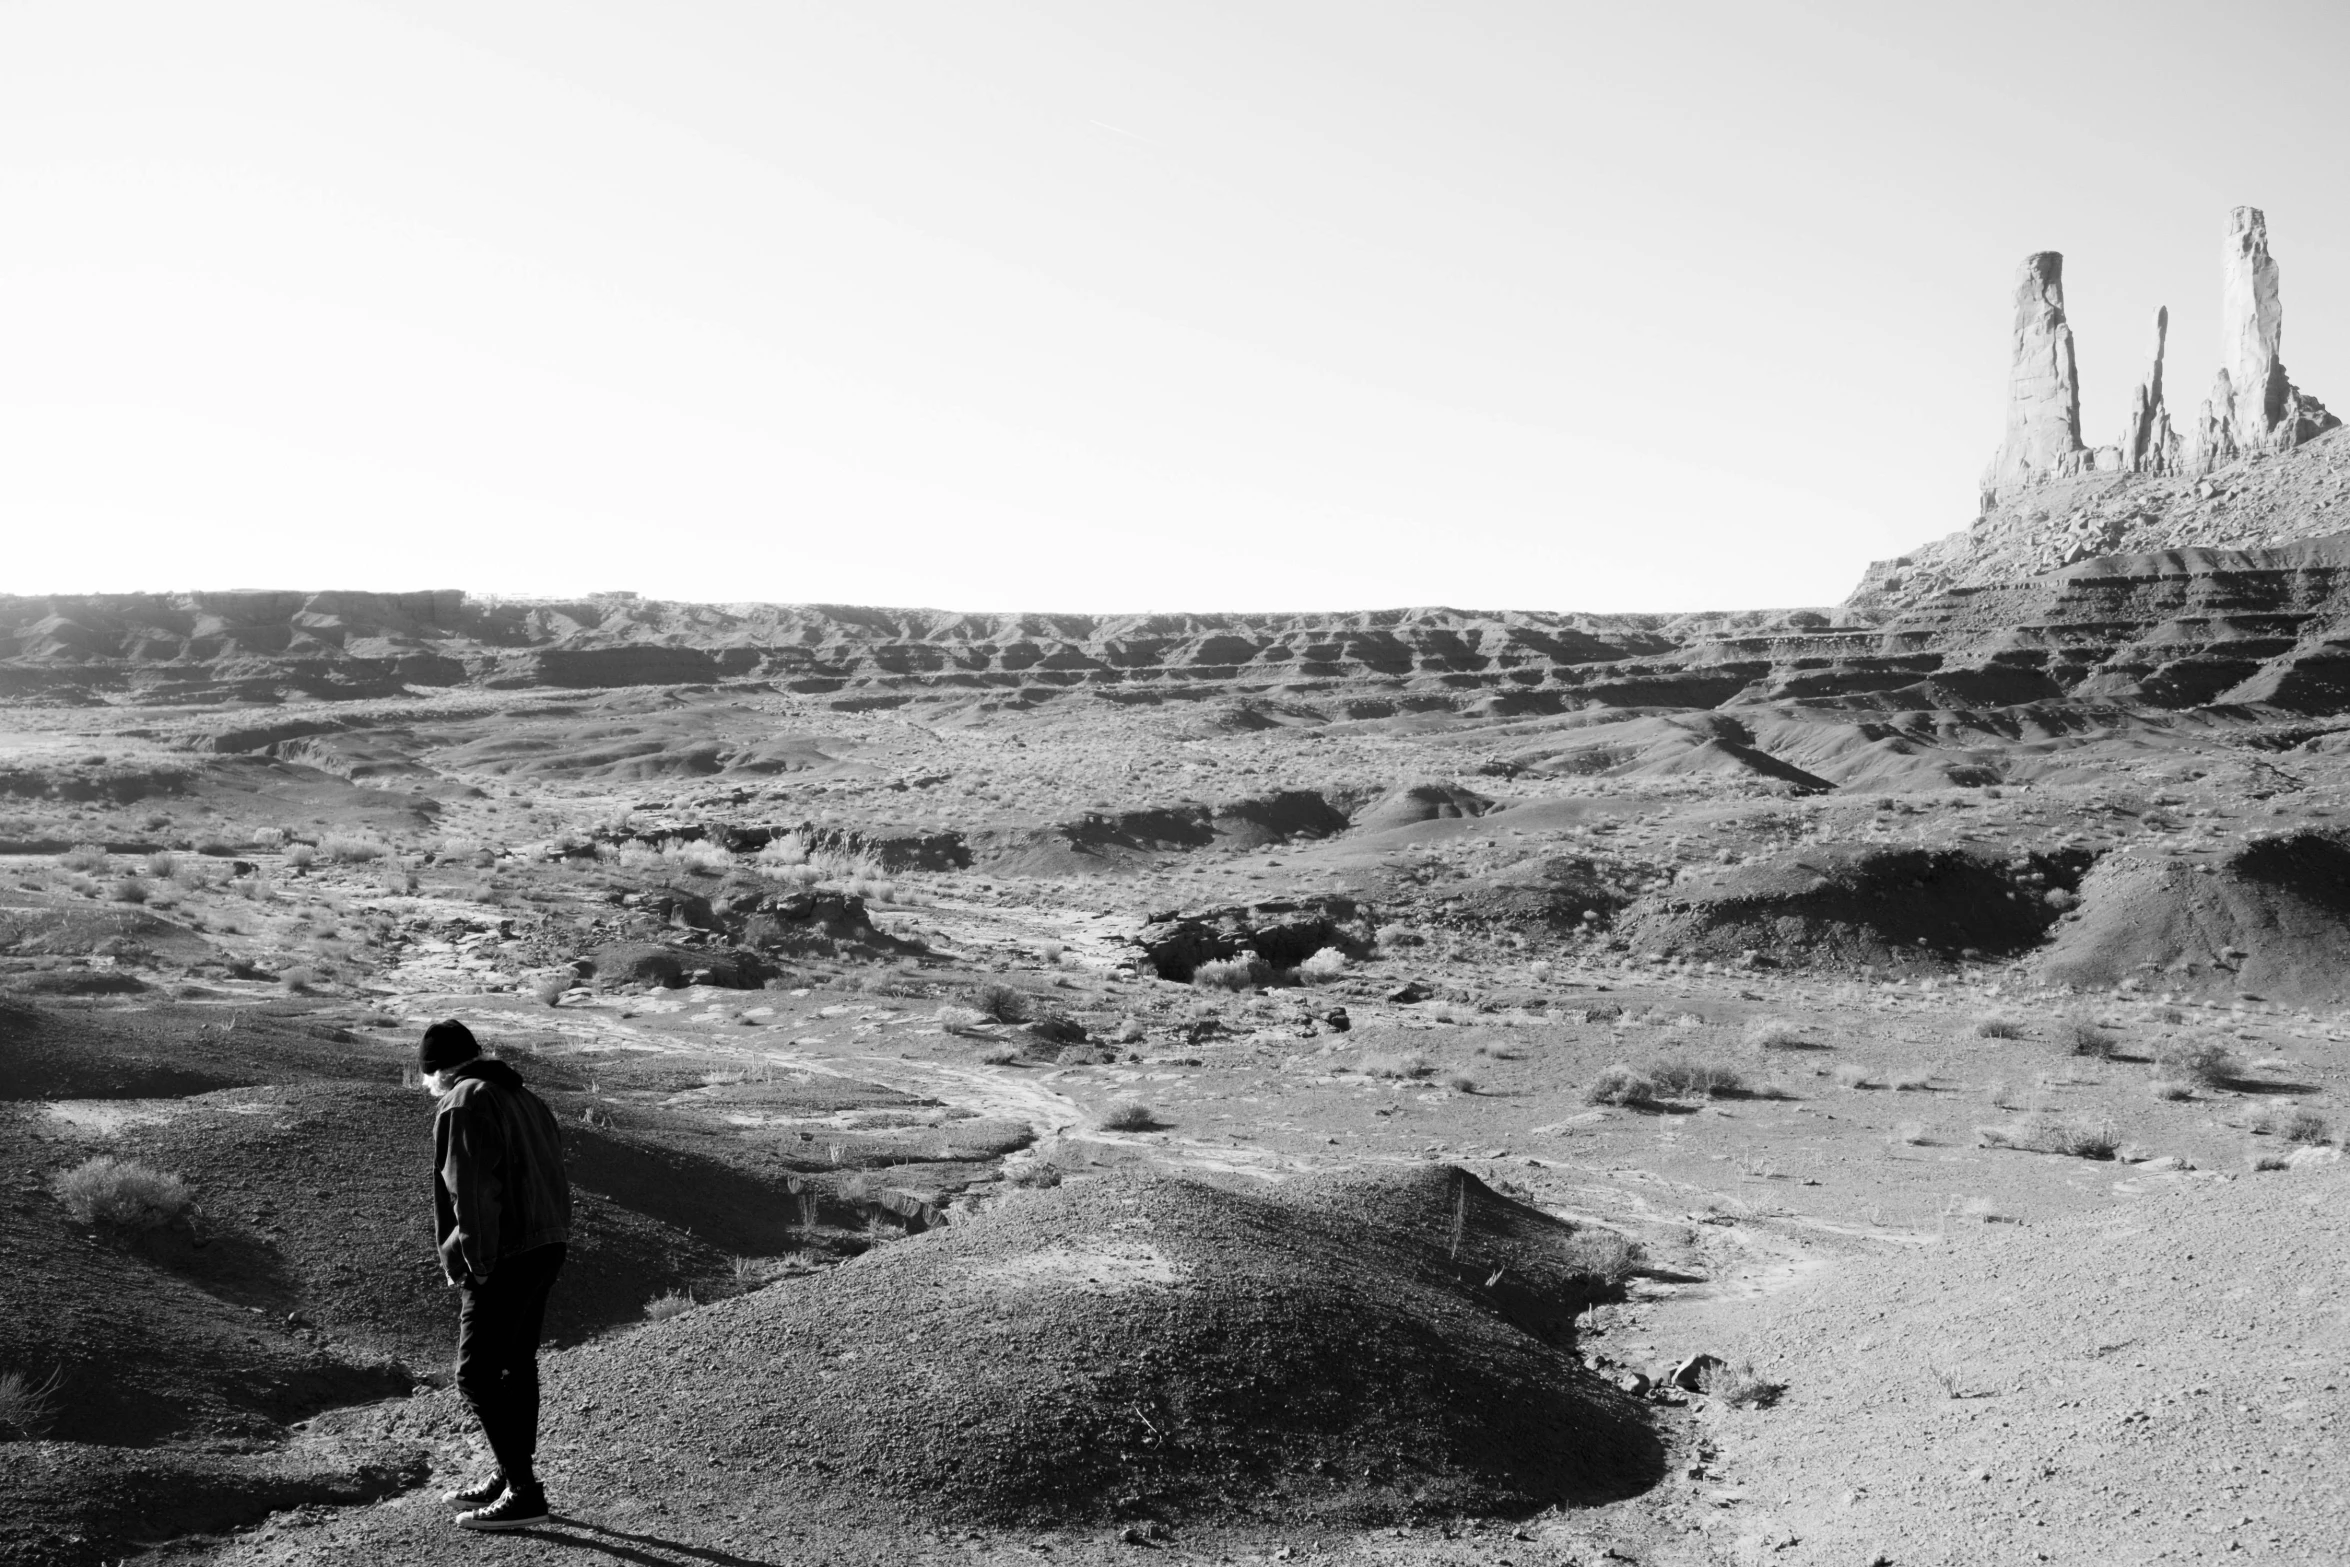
(2271, 918)
(1126, 1348)
(1283, 933)
(1421, 802)
(1849, 905)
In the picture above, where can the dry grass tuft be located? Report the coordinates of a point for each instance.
(1773, 1033)
(676, 1303)
(2080, 1036)
(1400, 1067)
(2305, 1126)
(27, 1407)
(1245, 972)
(106, 1190)
(1741, 1387)
(1856, 1077)
(1127, 1115)
(2171, 1088)
(1324, 967)
(2203, 1062)
(1681, 1079)
(2078, 1139)
(1621, 1085)
(83, 858)
(1996, 1025)
(1000, 1003)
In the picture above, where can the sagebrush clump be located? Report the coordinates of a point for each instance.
(106, 1190)
(1621, 1085)
(2202, 1062)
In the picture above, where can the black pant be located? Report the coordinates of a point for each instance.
(498, 1353)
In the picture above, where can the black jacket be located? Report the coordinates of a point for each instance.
(498, 1183)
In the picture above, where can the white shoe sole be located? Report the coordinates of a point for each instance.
(500, 1525)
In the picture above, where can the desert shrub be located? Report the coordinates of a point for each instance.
(676, 1303)
(1245, 972)
(2267, 1161)
(1852, 1076)
(1740, 1387)
(1036, 1175)
(1772, 1033)
(1400, 936)
(106, 1190)
(1127, 1115)
(1620, 1085)
(550, 990)
(1602, 1255)
(2305, 1126)
(2080, 1036)
(299, 979)
(2202, 1062)
(1681, 1079)
(1459, 1082)
(1000, 1055)
(1129, 1030)
(162, 866)
(1397, 1067)
(350, 849)
(961, 1020)
(790, 849)
(2170, 1088)
(86, 858)
(1000, 1003)
(1323, 967)
(2079, 1139)
(130, 890)
(1997, 1025)
(27, 1407)
(301, 855)
(696, 859)
(1910, 1132)
(1911, 1082)
(1050, 951)
(216, 845)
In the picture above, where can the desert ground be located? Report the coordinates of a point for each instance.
(1885, 1111)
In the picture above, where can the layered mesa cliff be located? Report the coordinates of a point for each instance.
(2173, 568)
(2170, 628)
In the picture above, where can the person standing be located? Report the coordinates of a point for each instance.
(502, 1217)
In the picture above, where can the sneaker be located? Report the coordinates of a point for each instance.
(510, 1511)
(480, 1495)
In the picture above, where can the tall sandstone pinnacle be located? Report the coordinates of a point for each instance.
(2043, 387)
(2254, 406)
(2148, 443)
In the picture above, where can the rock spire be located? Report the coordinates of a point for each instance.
(2148, 443)
(2254, 406)
(2043, 387)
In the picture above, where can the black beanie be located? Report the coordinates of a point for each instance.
(446, 1044)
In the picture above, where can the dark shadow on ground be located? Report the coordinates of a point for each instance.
(648, 1550)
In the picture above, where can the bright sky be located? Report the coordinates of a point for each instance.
(1098, 305)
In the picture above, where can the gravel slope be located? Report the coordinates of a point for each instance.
(2163, 1382)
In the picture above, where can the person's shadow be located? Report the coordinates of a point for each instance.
(649, 1550)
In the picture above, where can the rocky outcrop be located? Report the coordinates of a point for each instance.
(2255, 407)
(2148, 444)
(2043, 385)
(2046, 504)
